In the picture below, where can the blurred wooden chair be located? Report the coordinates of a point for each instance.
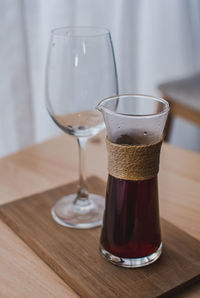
(184, 98)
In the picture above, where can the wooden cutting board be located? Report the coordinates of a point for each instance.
(73, 254)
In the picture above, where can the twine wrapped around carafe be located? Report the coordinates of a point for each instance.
(133, 162)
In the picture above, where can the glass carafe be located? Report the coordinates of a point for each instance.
(131, 235)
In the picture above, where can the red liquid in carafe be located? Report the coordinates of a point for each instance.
(131, 227)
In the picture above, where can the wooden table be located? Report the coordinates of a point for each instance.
(55, 162)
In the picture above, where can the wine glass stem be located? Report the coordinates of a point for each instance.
(82, 193)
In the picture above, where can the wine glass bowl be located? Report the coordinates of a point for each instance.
(80, 71)
(85, 124)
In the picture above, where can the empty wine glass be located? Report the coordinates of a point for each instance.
(80, 71)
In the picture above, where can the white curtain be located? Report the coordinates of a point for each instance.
(154, 41)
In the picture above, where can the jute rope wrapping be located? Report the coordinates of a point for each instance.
(133, 162)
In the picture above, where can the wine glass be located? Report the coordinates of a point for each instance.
(80, 71)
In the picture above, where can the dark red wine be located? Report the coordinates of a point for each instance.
(131, 227)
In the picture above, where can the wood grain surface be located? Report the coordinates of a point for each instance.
(54, 163)
(73, 254)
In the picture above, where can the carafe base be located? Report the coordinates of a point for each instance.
(131, 263)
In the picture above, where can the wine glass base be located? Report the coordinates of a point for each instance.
(131, 263)
(69, 215)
